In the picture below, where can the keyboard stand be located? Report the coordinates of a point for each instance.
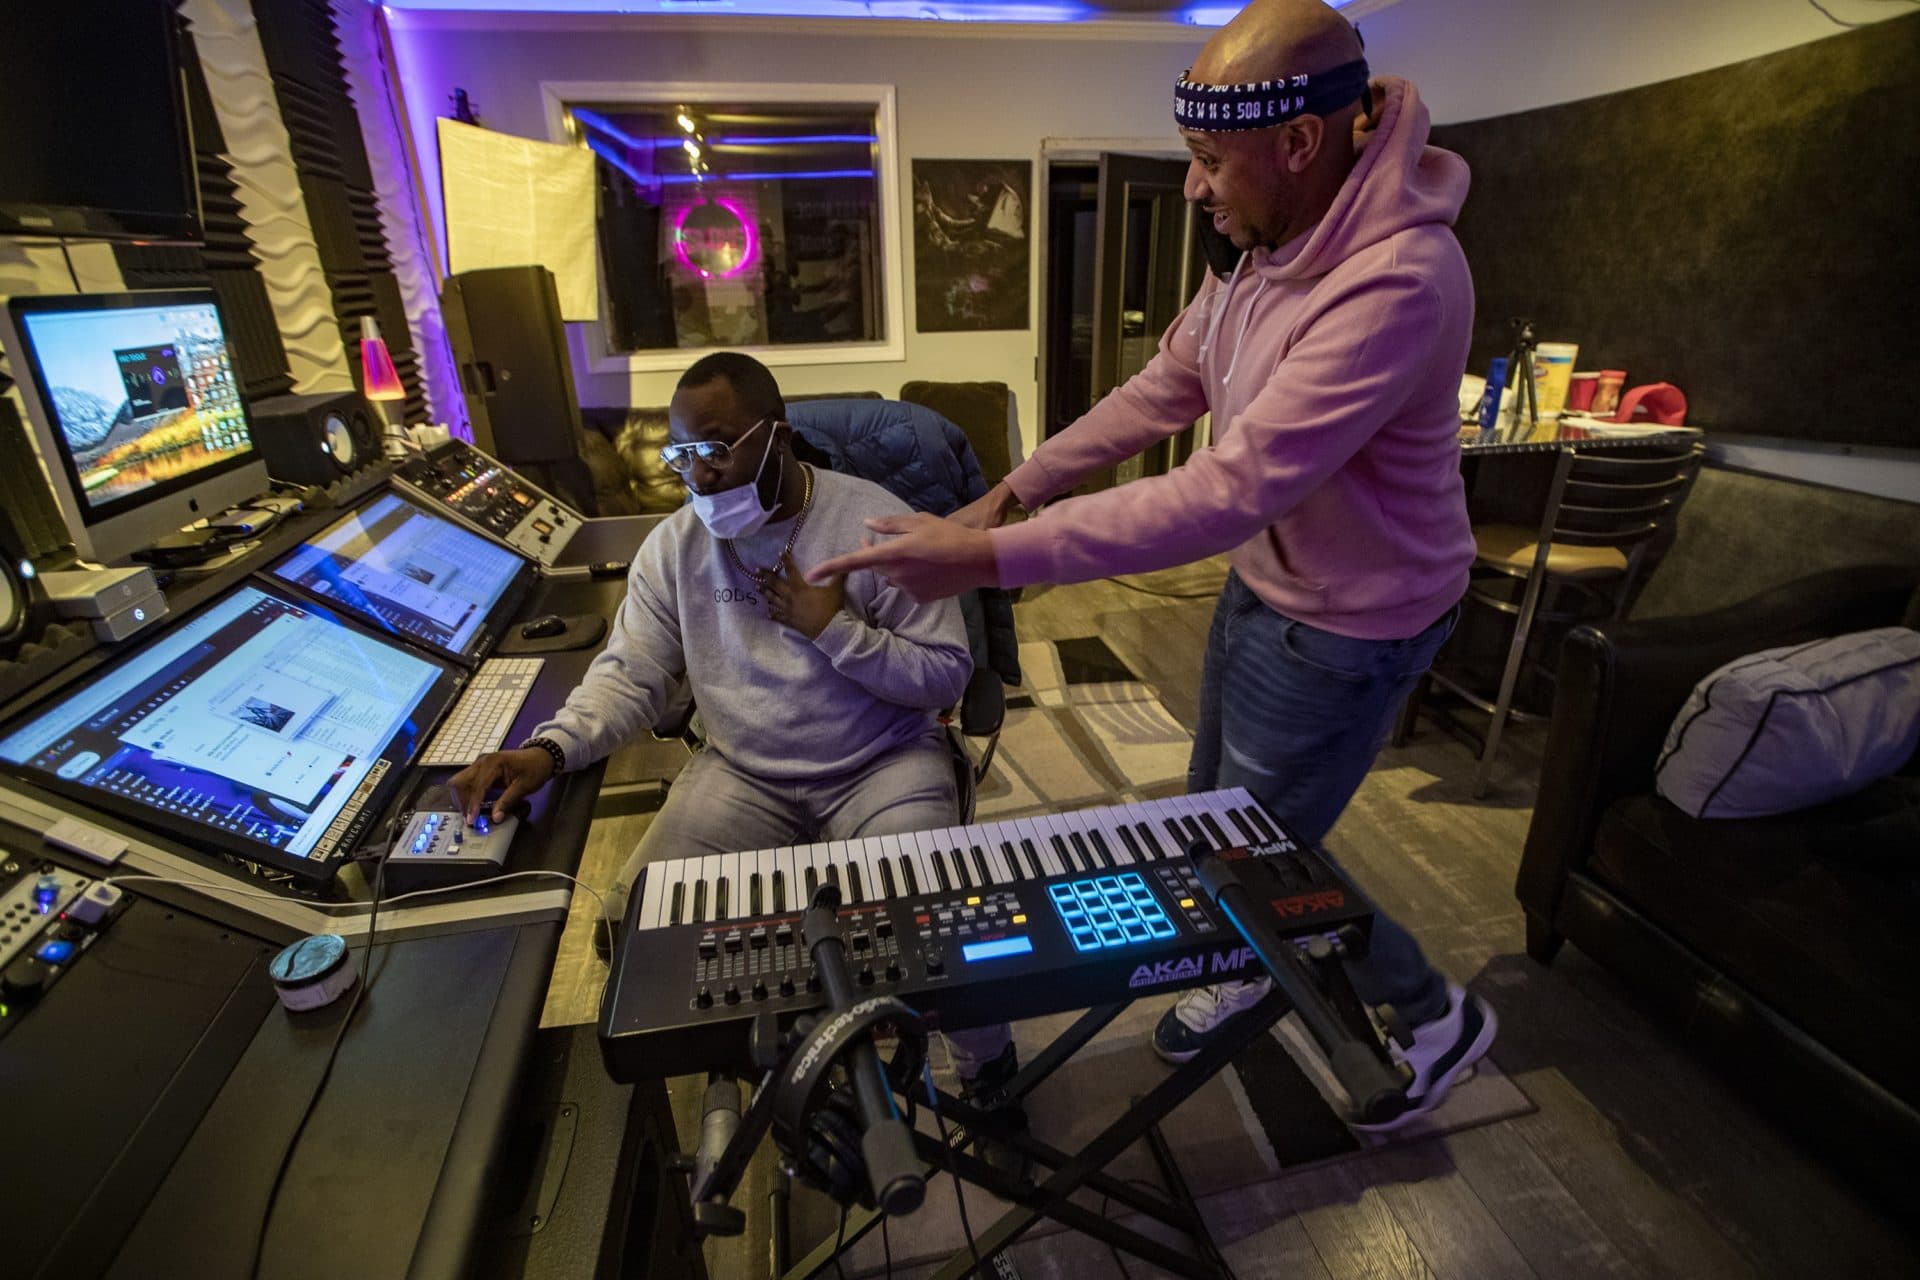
(1309, 976)
(1060, 1174)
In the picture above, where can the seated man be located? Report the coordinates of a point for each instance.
(820, 703)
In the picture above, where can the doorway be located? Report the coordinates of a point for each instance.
(1123, 260)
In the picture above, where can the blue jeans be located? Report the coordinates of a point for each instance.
(1296, 715)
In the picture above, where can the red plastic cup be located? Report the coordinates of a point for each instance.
(1580, 391)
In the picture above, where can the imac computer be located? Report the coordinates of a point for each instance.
(413, 575)
(263, 726)
(136, 410)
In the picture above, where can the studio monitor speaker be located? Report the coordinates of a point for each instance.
(24, 611)
(315, 439)
(24, 490)
(511, 348)
(30, 527)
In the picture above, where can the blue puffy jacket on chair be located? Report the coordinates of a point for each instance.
(928, 463)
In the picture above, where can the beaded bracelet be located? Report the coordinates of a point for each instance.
(552, 748)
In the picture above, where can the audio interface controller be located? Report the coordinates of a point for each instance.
(49, 916)
(439, 846)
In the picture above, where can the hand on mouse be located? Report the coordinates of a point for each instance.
(518, 773)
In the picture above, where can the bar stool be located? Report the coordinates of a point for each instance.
(1602, 514)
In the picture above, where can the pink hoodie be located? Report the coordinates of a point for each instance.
(1332, 369)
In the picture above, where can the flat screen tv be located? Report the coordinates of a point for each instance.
(97, 142)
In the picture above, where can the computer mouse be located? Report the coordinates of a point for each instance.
(483, 820)
(540, 628)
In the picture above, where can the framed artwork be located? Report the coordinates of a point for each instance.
(971, 244)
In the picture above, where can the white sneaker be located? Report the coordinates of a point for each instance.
(1444, 1051)
(1183, 1030)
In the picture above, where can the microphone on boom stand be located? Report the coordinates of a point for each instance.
(892, 1168)
(1377, 1089)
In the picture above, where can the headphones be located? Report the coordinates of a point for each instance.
(816, 1123)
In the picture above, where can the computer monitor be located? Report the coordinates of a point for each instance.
(262, 726)
(136, 410)
(414, 575)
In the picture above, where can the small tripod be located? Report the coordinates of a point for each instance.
(1520, 365)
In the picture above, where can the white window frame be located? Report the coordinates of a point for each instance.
(559, 93)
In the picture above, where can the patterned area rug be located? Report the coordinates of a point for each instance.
(1082, 731)
(1085, 731)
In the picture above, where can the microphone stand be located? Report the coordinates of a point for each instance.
(795, 1080)
(1312, 979)
(886, 1144)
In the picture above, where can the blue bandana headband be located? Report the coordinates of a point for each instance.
(1221, 108)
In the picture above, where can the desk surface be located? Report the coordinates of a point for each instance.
(390, 1177)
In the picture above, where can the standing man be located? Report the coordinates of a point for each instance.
(1330, 361)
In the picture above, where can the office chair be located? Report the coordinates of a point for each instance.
(927, 462)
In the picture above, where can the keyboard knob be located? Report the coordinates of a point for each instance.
(707, 949)
(783, 935)
(733, 944)
(760, 989)
(733, 993)
(786, 984)
(758, 939)
(893, 971)
(813, 982)
(705, 999)
(935, 962)
(866, 975)
(884, 928)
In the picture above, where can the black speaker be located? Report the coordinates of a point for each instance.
(511, 349)
(30, 527)
(315, 439)
(24, 492)
(24, 611)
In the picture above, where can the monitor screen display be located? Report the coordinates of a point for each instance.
(413, 574)
(98, 140)
(140, 393)
(263, 726)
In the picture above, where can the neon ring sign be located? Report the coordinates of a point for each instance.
(710, 241)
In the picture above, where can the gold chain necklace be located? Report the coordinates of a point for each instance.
(761, 577)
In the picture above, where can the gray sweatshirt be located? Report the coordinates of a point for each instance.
(773, 702)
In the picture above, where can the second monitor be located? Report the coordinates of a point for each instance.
(413, 574)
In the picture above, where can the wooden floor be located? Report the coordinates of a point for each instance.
(1638, 1161)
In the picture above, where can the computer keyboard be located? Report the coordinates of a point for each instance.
(479, 722)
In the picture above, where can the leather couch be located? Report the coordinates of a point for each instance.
(1785, 949)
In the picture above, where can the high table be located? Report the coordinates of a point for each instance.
(1552, 436)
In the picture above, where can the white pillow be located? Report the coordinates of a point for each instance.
(1787, 728)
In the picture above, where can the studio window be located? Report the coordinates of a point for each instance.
(728, 221)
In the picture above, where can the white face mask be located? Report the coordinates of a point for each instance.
(737, 512)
